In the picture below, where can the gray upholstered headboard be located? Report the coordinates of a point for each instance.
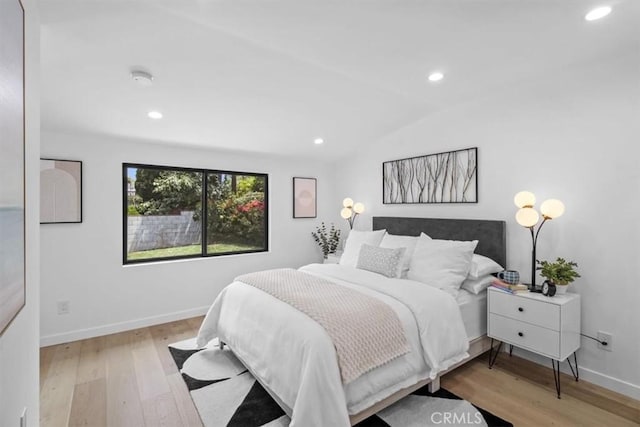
(491, 235)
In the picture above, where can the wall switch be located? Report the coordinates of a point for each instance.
(23, 418)
(605, 337)
(63, 307)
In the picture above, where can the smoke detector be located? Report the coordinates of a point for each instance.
(142, 78)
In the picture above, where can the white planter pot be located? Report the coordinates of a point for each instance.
(561, 289)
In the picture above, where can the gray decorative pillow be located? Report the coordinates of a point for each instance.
(385, 261)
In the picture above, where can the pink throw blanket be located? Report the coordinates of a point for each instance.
(365, 331)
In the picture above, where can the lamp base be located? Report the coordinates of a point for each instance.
(536, 288)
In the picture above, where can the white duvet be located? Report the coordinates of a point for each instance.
(293, 356)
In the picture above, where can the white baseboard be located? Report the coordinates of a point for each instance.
(615, 384)
(80, 334)
(589, 375)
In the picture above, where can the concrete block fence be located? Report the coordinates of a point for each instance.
(162, 231)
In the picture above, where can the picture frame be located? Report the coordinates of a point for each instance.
(60, 191)
(305, 203)
(12, 163)
(447, 177)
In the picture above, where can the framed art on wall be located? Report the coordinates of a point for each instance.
(304, 197)
(12, 206)
(60, 191)
(449, 177)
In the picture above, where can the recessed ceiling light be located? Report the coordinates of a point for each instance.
(436, 76)
(597, 13)
(154, 115)
(142, 77)
(318, 141)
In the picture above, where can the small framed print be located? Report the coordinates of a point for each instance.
(304, 197)
(60, 191)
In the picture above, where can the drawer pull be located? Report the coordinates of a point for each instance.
(520, 334)
(520, 309)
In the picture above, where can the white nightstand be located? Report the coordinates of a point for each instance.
(332, 259)
(549, 326)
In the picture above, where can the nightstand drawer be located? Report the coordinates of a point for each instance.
(525, 335)
(525, 310)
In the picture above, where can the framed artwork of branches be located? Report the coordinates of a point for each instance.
(450, 177)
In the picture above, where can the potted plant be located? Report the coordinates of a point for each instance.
(328, 240)
(561, 273)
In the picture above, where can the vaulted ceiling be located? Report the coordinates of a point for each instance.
(273, 75)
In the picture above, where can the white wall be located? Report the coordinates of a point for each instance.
(573, 136)
(82, 263)
(19, 347)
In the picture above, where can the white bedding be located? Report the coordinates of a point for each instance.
(293, 356)
(474, 313)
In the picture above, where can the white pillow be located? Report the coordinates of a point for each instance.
(385, 261)
(475, 286)
(481, 266)
(443, 264)
(355, 240)
(394, 242)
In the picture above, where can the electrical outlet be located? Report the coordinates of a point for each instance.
(23, 418)
(64, 307)
(605, 337)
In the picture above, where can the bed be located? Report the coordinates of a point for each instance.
(295, 361)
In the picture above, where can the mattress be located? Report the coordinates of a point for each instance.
(474, 312)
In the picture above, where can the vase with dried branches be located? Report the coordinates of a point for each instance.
(327, 239)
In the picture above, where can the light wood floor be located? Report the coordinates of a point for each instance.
(129, 379)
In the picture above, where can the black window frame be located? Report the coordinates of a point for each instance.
(205, 214)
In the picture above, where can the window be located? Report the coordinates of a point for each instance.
(164, 216)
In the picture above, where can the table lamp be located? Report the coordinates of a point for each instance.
(351, 210)
(528, 217)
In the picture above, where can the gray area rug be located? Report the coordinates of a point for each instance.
(226, 394)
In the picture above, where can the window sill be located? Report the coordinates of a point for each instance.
(198, 258)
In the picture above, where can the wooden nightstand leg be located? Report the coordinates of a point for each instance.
(492, 360)
(556, 375)
(576, 373)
